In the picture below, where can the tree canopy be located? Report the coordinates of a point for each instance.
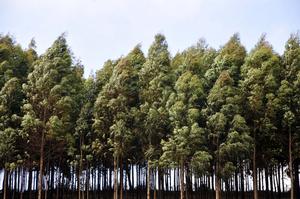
(204, 123)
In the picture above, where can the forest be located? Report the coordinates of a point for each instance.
(203, 123)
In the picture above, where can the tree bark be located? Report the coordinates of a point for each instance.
(78, 183)
(115, 178)
(87, 183)
(30, 180)
(5, 184)
(22, 183)
(148, 180)
(242, 183)
(278, 182)
(181, 180)
(121, 178)
(255, 194)
(40, 184)
(291, 163)
(267, 182)
(218, 182)
(236, 184)
(80, 168)
(296, 178)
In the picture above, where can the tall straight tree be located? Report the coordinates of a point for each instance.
(51, 102)
(118, 99)
(230, 58)
(188, 139)
(156, 86)
(289, 105)
(11, 97)
(101, 127)
(84, 132)
(228, 131)
(261, 76)
(14, 66)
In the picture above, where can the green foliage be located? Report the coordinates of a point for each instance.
(115, 105)
(227, 129)
(262, 73)
(202, 111)
(155, 87)
(230, 57)
(14, 66)
(52, 97)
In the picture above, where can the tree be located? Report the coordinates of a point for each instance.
(185, 147)
(200, 121)
(288, 104)
(14, 66)
(156, 86)
(261, 76)
(10, 101)
(187, 138)
(51, 103)
(228, 131)
(118, 99)
(84, 132)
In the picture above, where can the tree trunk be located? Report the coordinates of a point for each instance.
(278, 182)
(291, 163)
(78, 182)
(267, 183)
(5, 184)
(40, 184)
(22, 182)
(218, 182)
(296, 178)
(255, 194)
(80, 168)
(189, 185)
(154, 194)
(181, 180)
(87, 182)
(271, 182)
(115, 178)
(30, 180)
(242, 183)
(121, 178)
(161, 183)
(148, 180)
(236, 184)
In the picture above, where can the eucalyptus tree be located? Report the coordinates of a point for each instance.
(14, 67)
(261, 74)
(11, 97)
(156, 84)
(99, 146)
(228, 132)
(52, 102)
(84, 134)
(229, 58)
(187, 138)
(187, 141)
(289, 106)
(118, 99)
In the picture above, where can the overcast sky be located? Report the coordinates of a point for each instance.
(98, 30)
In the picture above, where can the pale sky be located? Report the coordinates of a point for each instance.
(98, 30)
